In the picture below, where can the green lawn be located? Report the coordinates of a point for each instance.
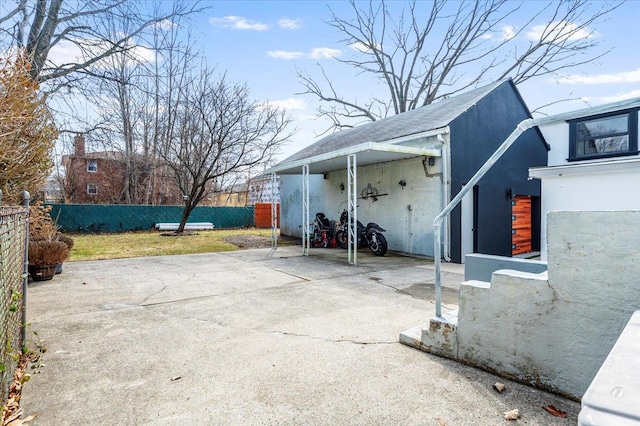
(153, 243)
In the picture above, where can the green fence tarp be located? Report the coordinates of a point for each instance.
(123, 218)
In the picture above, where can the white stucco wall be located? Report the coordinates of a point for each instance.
(590, 190)
(408, 231)
(555, 329)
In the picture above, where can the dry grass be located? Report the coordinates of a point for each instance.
(153, 243)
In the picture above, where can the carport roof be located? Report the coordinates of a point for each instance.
(402, 126)
(367, 153)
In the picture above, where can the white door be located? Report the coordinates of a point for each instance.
(466, 225)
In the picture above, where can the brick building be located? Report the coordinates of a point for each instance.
(98, 178)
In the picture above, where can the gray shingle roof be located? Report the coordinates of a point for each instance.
(429, 117)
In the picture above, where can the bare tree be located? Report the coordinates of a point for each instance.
(216, 131)
(422, 56)
(40, 26)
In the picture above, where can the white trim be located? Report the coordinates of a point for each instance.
(586, 112)
(427, 134)
(585, 168)
(363, 147)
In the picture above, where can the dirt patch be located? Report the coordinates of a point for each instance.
(258, 241)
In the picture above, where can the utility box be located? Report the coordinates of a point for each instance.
(613, 395)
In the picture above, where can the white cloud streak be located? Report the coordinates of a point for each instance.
(67, 52)
(560, 31)
(508, 32)
(289, 24)
(289, 104)
(238, 23)
(620, 77)
(315, 53)
(614, 98)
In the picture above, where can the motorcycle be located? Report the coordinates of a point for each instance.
(323, 231)
(368, 236)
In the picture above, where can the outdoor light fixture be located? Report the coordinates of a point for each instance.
(185, 197)
(341, 187)
(402, 183)
(432, 161)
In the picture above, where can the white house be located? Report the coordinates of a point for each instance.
(593, 164)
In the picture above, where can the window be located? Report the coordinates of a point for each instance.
(92, 189)
(602, 136)
(92, 166)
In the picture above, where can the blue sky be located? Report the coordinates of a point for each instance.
(262, 43)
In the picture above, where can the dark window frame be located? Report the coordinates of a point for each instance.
(632, 127)
(89, 162)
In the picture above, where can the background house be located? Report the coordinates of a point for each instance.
(93, 177)
(594, 163)
(99, 177)
(409, 166)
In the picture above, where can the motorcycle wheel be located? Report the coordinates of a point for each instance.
(378, 244)
(342, 239)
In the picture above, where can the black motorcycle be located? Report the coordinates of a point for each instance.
(368, 236)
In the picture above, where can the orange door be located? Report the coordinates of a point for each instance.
(520, 224)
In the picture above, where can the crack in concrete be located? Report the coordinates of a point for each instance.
(324, 339)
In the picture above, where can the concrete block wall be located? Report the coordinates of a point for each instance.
(554, 329)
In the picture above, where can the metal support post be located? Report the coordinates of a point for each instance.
(306, 238)
(26, 198)
(274, 212)
(352, 183)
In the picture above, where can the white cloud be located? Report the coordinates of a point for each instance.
(315, 53)
(238, 23)
(289, 24)
(362, 47)
(620, 77)
(283, 54)
(290, 104)
(67, 52)
(486, 36)
(615, 98)
(508, 32)
(324, 53)
(560, 30)
(166, 24)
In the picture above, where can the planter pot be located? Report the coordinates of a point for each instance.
(42, 272)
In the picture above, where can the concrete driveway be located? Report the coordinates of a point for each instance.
(248, 338)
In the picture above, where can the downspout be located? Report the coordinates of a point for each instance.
(523, 126)
(446, 194)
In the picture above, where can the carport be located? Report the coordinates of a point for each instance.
(350, 158)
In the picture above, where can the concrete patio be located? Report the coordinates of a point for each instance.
(253, 337)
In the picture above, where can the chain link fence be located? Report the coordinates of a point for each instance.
(123, 218)
(13, 229)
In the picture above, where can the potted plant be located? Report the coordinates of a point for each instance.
(46, 251)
